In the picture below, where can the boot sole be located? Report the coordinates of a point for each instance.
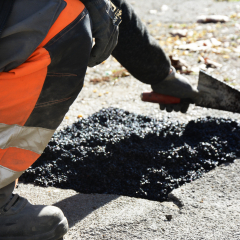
(56, 234)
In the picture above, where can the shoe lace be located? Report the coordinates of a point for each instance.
(11, 203)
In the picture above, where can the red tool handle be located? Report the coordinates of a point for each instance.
(159, 98)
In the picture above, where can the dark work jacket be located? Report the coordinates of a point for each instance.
(27, 26)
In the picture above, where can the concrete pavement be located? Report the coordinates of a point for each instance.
(208, 208)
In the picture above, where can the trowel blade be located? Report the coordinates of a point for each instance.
(216, 94)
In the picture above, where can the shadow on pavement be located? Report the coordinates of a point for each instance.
(77, 207)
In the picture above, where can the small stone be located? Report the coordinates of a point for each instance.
(169, 217)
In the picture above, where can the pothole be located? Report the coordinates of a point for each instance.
(118, 152)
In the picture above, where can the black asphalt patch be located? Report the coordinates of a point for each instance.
(117, 152)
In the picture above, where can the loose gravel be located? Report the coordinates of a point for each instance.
(117, 152)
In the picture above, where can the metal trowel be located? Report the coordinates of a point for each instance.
(212, 93)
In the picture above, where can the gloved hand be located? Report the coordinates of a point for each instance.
(106, 18)
(178, 86)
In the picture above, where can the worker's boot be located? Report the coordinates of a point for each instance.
(20, 220)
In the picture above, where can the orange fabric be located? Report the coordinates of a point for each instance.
(21, 87)
(16, 182)
(68, 15)
(17, 159)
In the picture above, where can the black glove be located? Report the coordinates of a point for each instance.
(178, 86)
(106, 18)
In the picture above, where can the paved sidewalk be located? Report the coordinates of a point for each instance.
(181, 11)
(208, 208)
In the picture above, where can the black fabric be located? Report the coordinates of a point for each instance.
(137, 51)
(25, 29)
(69, 52)
(5, 10)
(6, 193)
(105, 29)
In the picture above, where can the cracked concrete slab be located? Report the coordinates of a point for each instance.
(208, 208)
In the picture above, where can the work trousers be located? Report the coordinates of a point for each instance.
(35, 96)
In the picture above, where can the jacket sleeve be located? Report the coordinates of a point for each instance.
(137, 51)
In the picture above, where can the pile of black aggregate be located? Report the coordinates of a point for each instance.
(117, 152)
